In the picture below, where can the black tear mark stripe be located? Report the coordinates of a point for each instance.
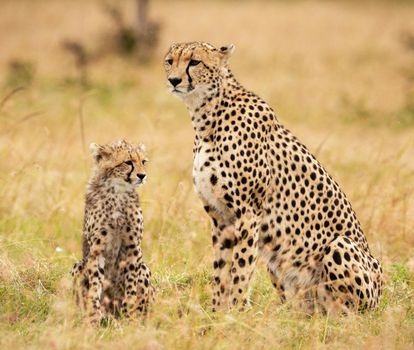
(129, 174)
(190, 80)
(187, 71)
(132, 169)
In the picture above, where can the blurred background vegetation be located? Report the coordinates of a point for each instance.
(339, 74)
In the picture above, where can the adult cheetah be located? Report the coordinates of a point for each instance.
(267, 195)
(112, 277)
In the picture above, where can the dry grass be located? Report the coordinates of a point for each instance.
(336, 73)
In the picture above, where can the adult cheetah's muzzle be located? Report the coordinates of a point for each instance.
(175, 81)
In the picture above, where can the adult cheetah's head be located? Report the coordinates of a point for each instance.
(120, 162)
(195, 68)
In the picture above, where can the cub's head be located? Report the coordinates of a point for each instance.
(195, 67)
(120, 162)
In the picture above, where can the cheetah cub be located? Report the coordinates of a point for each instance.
(112, 278)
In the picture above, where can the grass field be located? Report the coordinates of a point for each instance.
(340, 75)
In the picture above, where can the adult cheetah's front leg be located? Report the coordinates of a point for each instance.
(95, 270)
(244, 260)
(145, 290)
(223, 241)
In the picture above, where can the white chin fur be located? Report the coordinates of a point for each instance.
(140, 182)
(179, 92)
(191, 98)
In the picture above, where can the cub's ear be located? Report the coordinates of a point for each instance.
(121, 143)
(97, 151)
(226, 52)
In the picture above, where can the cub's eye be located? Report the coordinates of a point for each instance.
(144, 162)
(194, 62)
(169, 61)
(129, 162)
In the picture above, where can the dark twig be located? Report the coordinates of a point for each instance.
(408, 40)
(9, 95)
(22, 120)
(81, 58)
(81, 122)
(27, 117)
(320, 146)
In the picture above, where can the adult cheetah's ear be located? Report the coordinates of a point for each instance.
(97, 151)
(141, 147)
(226, 52)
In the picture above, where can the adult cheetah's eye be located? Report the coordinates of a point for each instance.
(169, 61)
(194, 62)
(129, 162)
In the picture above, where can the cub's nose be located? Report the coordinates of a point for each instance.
(141, 176)
(175, 81)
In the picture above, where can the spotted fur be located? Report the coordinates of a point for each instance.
(267, 195)
(112, 278)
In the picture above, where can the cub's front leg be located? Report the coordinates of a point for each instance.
(132, 263)
(94, 269)
(80, 284)
(94, 273)
(145, 290)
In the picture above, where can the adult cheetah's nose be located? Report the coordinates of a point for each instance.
(141, 176)
(175, 81)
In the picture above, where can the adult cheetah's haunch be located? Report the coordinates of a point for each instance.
(112, 277)
(266, 194)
